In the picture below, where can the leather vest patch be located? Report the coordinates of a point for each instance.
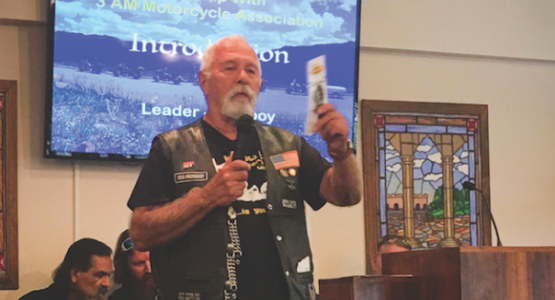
(190, 176)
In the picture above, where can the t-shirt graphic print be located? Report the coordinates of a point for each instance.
(259, 272)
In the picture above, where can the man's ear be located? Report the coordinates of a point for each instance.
(74, 275)
(202, 79)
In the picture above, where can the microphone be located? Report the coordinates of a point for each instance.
(472, 187)
(244, 129)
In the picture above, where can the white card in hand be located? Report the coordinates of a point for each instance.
(317, 89)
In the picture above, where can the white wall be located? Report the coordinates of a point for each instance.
(60, 201)
(513, 28)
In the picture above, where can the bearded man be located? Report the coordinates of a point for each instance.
(132, 272)
(83, 275)
(219, 228)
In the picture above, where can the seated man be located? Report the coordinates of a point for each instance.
(132, 272)
(389, 244)
(84, 273)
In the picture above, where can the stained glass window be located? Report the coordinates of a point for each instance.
(424, 159)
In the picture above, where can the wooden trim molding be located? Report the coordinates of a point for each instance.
(9, 277)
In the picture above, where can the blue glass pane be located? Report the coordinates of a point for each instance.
(381, 138)
(383, 201)
(427, 129)
(433, 150)
(417, 186)
(384, 230)
(471, 142)
(456, 130)
(420, 155)
(382, 163)
(427, 167)
(437, 169)
(458, 176)
(394, 182)
(395, 128)
(473, 206)
(437, 184)
(474, 240)
(471, 165)
(396, 185)
(463, 179)
(460, 150)
(418, 173)
(427, 141)
(393, 160)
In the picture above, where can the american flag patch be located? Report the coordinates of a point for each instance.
(286, 160)
(188, 164)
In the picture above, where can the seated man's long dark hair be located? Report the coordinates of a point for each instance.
(121, 269)
(79, 256)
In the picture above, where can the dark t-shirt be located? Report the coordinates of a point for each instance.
(259, 273)
(123, 293)
(49, 293)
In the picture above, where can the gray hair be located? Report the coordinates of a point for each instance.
(208, 56)
(401, 241)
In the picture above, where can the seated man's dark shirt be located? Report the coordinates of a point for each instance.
(126, 294)
(49, 293)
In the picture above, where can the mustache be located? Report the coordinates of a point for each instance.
(100, 294)
(242, 89)
(148, 280)
(102, 290)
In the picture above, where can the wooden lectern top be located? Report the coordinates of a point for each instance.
(375, 287)
(476, 273)
(506, 249)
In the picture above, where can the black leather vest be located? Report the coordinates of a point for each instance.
(194, 266)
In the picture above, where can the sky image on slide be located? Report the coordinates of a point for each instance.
(127, 70)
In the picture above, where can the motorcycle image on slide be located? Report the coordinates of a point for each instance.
(164, 76)
(92, 67)
(84, 66)
(296, 88)
(124, 71)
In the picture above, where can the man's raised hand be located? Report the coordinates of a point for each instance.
(229, 183)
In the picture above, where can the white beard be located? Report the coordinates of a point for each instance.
(235, 108)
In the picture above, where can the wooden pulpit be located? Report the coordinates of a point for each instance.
(372, 287)
(479, 273)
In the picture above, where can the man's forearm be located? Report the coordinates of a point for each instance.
(155, 226)
(342, 183)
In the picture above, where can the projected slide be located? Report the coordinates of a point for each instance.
(127, 70)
